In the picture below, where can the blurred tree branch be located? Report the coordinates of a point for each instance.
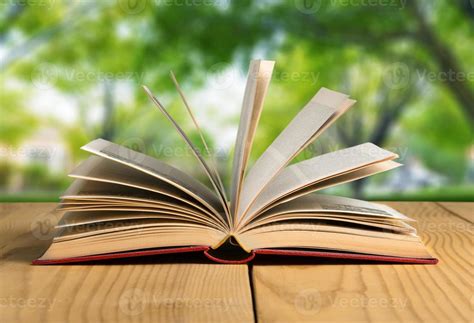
(304, 25)
(354, 129)
(446, 60)
(43, 36)
(12, 14)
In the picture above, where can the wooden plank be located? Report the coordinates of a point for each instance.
(351, 292)
(463, 209)
(128, 292)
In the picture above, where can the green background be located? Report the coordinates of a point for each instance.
(71, 71)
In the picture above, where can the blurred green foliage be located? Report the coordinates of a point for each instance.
(408, 63)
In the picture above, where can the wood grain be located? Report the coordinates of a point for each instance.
(201, 292)
(464, 210)
(93, 293)
(351, 292)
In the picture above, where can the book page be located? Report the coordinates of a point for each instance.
(317, 115)
(108, 170)
(310, 171)
(215, 183)
(338, 204)
(332, 207)
(80, 203)
(310, 236)
(89, 217)
(130, 201)
(157, 169)
(258, 80)
(134, 238)
(98, 168)
(340, 179)
(201, 135)
(331, 218)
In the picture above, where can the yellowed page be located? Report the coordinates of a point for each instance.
(114, 201)
(140, 238)
(100, 169)
(157, 169)
(306, 238)
(81, 189)
(90, 217)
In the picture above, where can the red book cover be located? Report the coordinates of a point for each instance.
(255, 254)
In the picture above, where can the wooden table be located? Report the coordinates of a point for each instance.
(201, 292)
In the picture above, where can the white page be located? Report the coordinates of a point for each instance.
(346, 177)
(305, 173)
(216, 174)
(197, 154)
(337, 204)
(258, 80)
(317, 115)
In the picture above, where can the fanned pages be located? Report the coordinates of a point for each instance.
(196, 153)
(216, 175)
(317, 115)
(123, 203)
(309, 172)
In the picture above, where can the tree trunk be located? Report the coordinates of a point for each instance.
(447, 62)
(358, 188)
(108, 129)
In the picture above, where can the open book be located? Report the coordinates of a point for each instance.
(123, 203)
